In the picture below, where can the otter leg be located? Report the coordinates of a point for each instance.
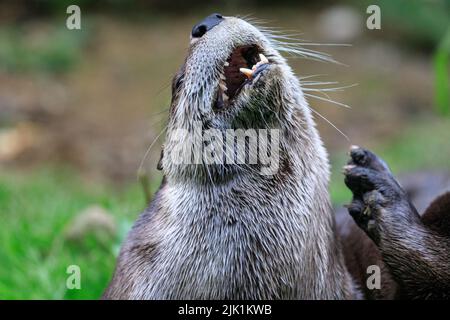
(418, 257)
(375, 191)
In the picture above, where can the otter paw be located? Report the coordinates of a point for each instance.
(378, 199)
(366, 172)
(365, 158)
(367, 212)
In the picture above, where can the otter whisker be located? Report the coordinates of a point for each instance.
(333, 89)
(313, 83)
(157, 122)
(277, 30)
(317, 90)
(328, 100)
(141, 164)
(295, 47)
(302, 44)
(316, 83)
(159, 113)
(257, 22)
(245, 16)
(329, 122)
(324, 91)
(292, 40)
(311, 76)
(160, 120)
(305, 53)
(305, 87)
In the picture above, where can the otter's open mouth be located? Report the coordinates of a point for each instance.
(241, 67)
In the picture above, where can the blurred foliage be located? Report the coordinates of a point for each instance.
(417, 22)
(120, 6)
(423, 24)
(442, 69)
(54, 50)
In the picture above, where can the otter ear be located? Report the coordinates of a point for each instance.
(437, 215)
(159, 166)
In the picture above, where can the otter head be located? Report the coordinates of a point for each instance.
(233, 78)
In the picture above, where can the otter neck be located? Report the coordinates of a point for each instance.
(286, 218)
(302, 177)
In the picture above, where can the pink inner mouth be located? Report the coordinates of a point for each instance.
(241, 57)
(232, 77)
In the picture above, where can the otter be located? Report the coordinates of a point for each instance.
(412, 250)
(227, 231)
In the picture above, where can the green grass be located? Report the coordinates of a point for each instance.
(35, 211)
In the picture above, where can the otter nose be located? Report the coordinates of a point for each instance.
(207, 24)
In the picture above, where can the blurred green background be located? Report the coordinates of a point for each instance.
(78, 110)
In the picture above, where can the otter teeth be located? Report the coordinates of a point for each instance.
(248, 72)
(224, 97)
(263, 58)
(223, 85)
